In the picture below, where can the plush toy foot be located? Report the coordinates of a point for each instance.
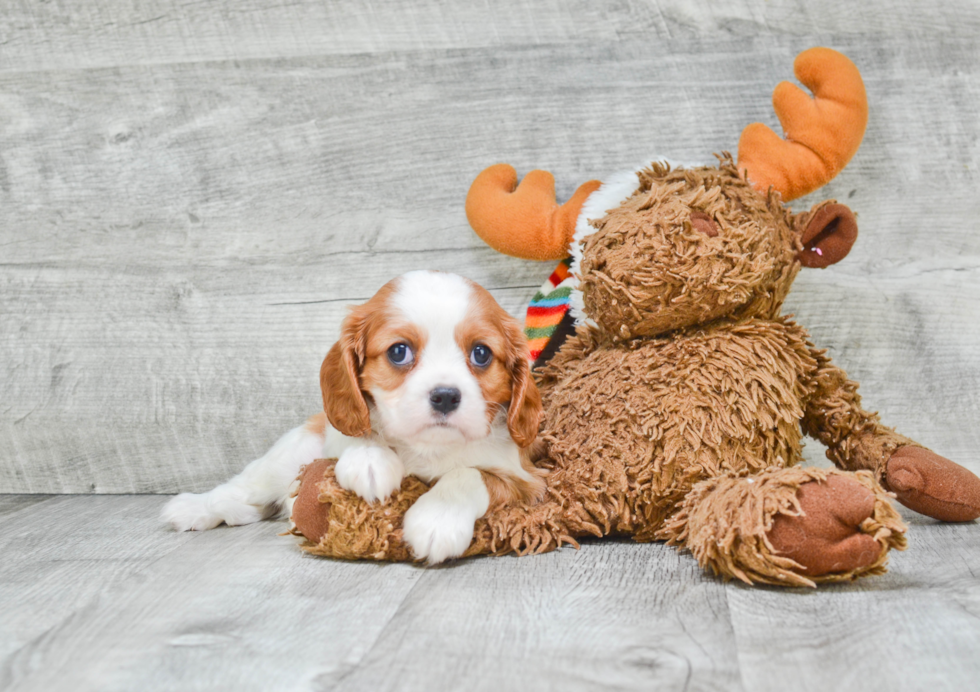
(826, 538)
(795, 526)
(933, 485)
(337, 523)
(310, 518)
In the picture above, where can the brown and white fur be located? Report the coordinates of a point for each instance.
(441, 416)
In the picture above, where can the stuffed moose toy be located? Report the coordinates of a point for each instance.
(675, 402)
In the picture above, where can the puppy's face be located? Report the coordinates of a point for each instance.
(439, 359)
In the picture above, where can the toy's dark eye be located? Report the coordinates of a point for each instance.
(480, 356)
(400, 354)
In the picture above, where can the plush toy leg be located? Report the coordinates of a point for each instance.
(338, 523)
(826, 536)
(789, 526)
(856, 439)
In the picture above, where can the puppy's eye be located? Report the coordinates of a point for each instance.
(400, 354)
(480, 356)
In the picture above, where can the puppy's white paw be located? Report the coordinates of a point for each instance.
(371, 471)
(190, 512)
(436, 530)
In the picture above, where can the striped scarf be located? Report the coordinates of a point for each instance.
(548, 321)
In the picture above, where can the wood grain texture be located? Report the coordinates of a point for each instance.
(15, 503)
(100, 33)
(612, 616)
(180, 241)
(191, 194)
(98, 596)
(94, 595)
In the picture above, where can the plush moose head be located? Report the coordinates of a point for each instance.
(690, 246)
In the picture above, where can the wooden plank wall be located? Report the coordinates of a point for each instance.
(191, 196)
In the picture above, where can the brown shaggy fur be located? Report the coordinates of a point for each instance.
(680, 416)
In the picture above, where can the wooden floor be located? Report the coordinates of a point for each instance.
(97, 596)
(193, 194)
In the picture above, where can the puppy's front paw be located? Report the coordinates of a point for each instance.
(436, 530)
(371, 471)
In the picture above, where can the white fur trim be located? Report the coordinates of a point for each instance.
(616, 189)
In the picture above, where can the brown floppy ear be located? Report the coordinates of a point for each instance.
(829, 232)
(524, 412)
(343, 401)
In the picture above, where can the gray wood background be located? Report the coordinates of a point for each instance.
(191, 194)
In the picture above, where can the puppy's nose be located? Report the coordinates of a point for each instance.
(445, 399)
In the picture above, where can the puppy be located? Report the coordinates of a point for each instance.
(431, 378)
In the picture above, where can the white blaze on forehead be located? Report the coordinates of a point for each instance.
(435, 301)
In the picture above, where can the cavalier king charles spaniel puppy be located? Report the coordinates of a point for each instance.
(430, 378)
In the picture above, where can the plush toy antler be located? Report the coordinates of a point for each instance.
(524, 220)
(822, 133)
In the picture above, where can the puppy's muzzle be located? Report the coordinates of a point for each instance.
(445, 400)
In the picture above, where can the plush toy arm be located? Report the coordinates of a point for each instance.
(524, 220)
(856, 439)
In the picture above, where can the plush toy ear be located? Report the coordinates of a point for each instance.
(343, 401)
(829, 231)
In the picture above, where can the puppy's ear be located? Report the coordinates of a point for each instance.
(524, 413)
(343, 401)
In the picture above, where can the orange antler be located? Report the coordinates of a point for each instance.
(822, 133)
(524, 220)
